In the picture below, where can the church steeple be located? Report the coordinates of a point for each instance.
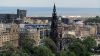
(56, 31)
(54, 14)
(54, 8)
(54, 22)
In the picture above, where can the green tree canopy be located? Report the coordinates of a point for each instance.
(93, 20)
(89, 42)
(67, 53)
(42, 51)
(10, 50)
(50, 44)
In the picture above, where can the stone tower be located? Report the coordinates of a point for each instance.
(55, 33)
(54, 21)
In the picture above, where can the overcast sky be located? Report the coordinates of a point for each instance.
(49, 3)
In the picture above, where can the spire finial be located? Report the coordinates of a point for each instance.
(54, 8)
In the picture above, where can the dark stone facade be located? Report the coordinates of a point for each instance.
(9, 18)
(21, 13)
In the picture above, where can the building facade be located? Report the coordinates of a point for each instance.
(21, 13)
(9, 35)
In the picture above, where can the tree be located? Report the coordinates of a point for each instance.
(93, 20)
(50, 44)
(19, 52)
(27, 44)
(97, 17)
(67, 53)
(9, 50)
(76, 45)
(99, 45)
(78, 48)
(41, 51)
(89, 42)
